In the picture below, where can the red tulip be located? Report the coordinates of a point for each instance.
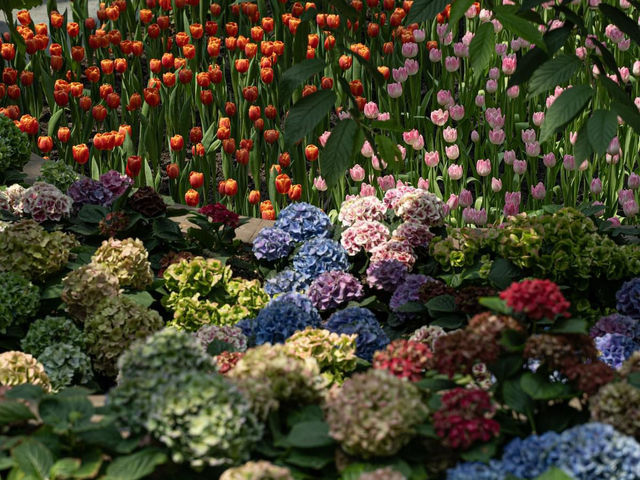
(134, 165)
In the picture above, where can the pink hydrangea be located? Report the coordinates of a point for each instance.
(391, 197)
(364, 234)
(361, 208)
(415, 234)
(394, 250)
(421, 206)
(45, 202)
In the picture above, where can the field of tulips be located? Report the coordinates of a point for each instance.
(449, 288)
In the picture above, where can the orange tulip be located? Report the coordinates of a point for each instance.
(196, 179)
(177, 143)
(295, 192)
(230, 187)
(242, 156)
(64, 133)
(134, 165)
(80, 153)
(45, 144)
(254, 197)
(173, 170)
(269, 214)
(283, 183)
(311, 152)
(192, 198)
(284, 159)
(271, 136)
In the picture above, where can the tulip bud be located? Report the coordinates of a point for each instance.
(311, 152)
(192, 198)
(80, 153)
(134, 165)
(295, 192)
(254, 197)
(45, 144)
(196, 179)
(173, 170)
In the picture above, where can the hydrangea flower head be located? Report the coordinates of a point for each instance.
(364, 235)
(616, 323)
(615, 348)
(361, 321)
(361, 208)
(407, 291)
(386, 275)
(272, 244)
(332, 289)
(320, 255)
(287, 280)
(303, 221)
(628, 298)
(537, 299)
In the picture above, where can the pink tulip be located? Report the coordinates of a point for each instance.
(483, 167)
(624, 45)
(411, 66)
(451, 64)
(467, 38)
(452, 202)
(457, 112)
(630, 208)
(400, 75)
(367, 190)
(452, 152)
(614, 146)
(520, 167)
(409, 49)
(371, 110)
(538, 118)
(479, 101)
(496, 184)
(549, 160)
(475, 136)
(431, 158)
(465, 198)
(324, 138)
(386, 183)
(474, 217)
(625, 195)
(320, 184)
(403, 151)
(450, 134)
(383, 117)
(410, 137)
(394, 90)
(509, 157)
(569, 162)
(444, 98)
(528, 135)
(494, 73)
(497, 137)
(532, 149)
(494, 117)
(539, 191)
(501, 49)
(439, 117)
(377, 163)
(509, 64)
(423, 184)
(366, 150)
(513, 92)
(491, 86)
(636, 68)
(435, 55)
(596, 186)
(460, 50)
(584, 165)
(357, 173)
(455, 172)
(614, 221)
(634, 181)
(419, 35)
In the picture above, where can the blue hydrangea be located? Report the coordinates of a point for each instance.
(531, 456)
(272, 244)
(362, 321)
(615, 348)
(281, 318)
(320, 255)
(628, 298)
(407, 291)
(476, 471)
(617, 323)
(304, 221)
(286, 281)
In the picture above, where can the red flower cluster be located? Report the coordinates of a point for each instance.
(537, 299)
(227, 360)
(404, 359)
(465, 418)
(218, 213)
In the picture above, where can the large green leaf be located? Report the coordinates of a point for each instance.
(503, 273)
(539, 387)
(507, 15)
(582, 148)
(20, 4)
(135, 466)
(571, 325)
(554, 474)
(601, 128)
(298, 74)
(425, 10)
(387, 149)
(628, 114)
(64, 468)
(335, 158)
(557, 71)
(34, 459)
(458, 9)
(311, 434)
(482, 49)
(65, 413)
(306, 114)
(622, 21)
(11, 412)
(564, 109)
(515, 397)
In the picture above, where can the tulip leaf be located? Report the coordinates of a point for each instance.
(508, 17)
(306, 114)
(298, 74)
(482, 49)
(425, 10)
(557, 71)
(601, 128)
(53, 122)
(564, 109)
(336, 155)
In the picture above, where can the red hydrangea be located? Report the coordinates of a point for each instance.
(537, 299)
(465, 418)
(218, 213)
(404, 359)
(227, 360)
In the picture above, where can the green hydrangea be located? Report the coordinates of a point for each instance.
(204, 276)
(86, 286)
(335, 353)
(147, 367)
(17, 368)
(618, 404)
(66, 365)
(115, 324)
(57, 173)
(29, 250)
(272, 376)
(48, 331)
(205, 420)
(232, 314)
(374, 414)
(15, 148)
(249, 294)
(19, 300)
(126, 259)
(260, 470)
(191, 313)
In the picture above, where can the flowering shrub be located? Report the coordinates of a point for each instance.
(19, 300)
(618, 404)
(332, 289)
(49, 331)
(320, 255)
(362, 322)
(628, 298)
(421, 207)
(58, 174)
(363, 235)
(227, 334)
(147, 202)
(126, 259)
(86, 286)
(615, 348)
(204, 420)
(45, 202)
(374, 413)
(616, 323)
(11, 199)
(361, 209)
(287, 280)
(17, 368)
(195, 276)
(404, 359)
(272, 244)
(65, 365)
(303, 221)
(536, 299)
(15, 148)
(407, 291)
(87, 191)
(386, 275)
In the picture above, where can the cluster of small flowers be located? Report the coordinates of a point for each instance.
(41, 201)
(334, 288)
(404, 358)
(537, 299)
(364, 235)
(361, 208)
(218, 213)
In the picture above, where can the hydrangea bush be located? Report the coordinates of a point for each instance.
(49, 331)
(19, 300)
(127, 260)
(303, 221)
(66, 365)
(86, 286)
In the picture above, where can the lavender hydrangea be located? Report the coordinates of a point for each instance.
(281, 318)
(89, 192)
(304, 221)
(407, 291)
(386, 275)
(615, 348)
(320, 255)
(361, 321)
(287, 280)
(116, 182)
(628, 298)
(272, 244)
(332, 289)
(617, 323)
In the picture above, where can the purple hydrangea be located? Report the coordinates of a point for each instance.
(281, 318)
(320, 255)
(272, 244)
(386, 274)
(617, 323)
(332, 289)
(116, 182)
(615, 348)
(628, 298)
(363, 322)
(407, 291)
(287, 281)
(87, 191)
(304, 221)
